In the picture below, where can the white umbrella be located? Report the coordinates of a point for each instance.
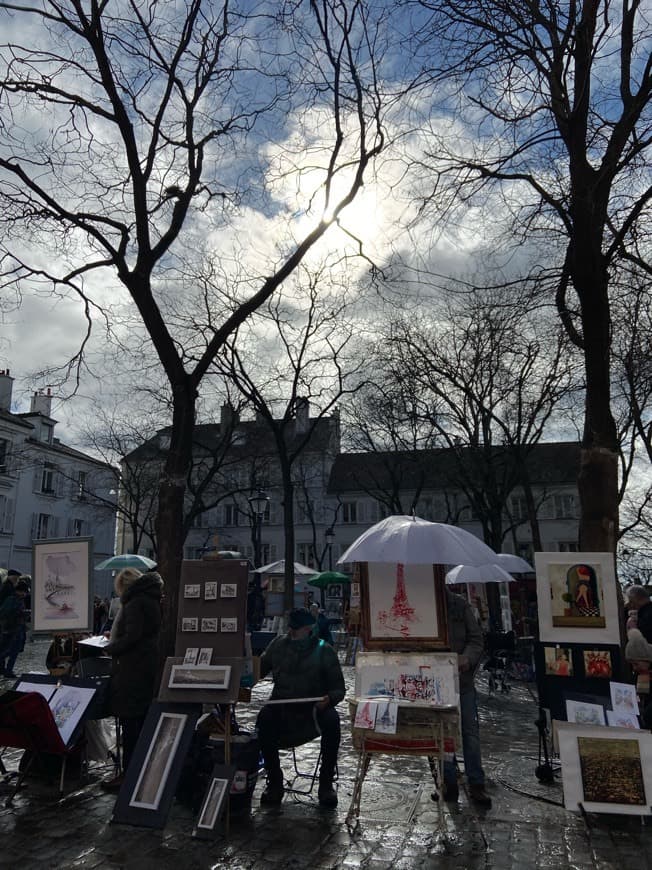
(510, 562)
(279, 568)
(413, 541)
(478, 574)
(126, 560)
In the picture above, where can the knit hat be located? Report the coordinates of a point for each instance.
(300, 617)
(637, 649)
(13, 573)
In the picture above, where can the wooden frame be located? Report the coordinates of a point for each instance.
(403, 607)
(62, 587)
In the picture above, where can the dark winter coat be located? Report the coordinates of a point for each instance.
(134, 648)
(464, 636)
(644, 621)
(12, 613)
(303, 672)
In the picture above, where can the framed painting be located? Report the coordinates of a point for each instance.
(215, 801)
(606, 770)
(420, 679)
(61, 585)
(199, 676)
(404, 606)
(577, 598)
(153, 774)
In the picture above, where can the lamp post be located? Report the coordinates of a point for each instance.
(329, 536)
(258, 505)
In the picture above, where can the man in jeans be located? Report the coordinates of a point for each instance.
(465, 638)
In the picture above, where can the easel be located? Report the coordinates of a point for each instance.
(436, 734)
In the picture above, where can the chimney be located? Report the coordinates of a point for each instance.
(302, 406)
(229, 418)
(6, 385)
(41, 403)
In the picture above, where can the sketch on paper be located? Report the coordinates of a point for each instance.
(213, 802)
(192, 590)
(583, 713)
(387, 717)
(426, 679)
(228, 590)
(558, 661)
(229, 624)
(205, 655)
(209, 624)
(210, 590)
(611, 771)
(199, 677)
(189, 623)
(365, 714)
(158, 761)
(618, 719)
(190, 657)
(623, 698)
(68, 705)
(61, 585)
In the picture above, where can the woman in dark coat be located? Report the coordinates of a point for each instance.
(134, 649)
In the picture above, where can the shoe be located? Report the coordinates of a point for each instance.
(327, 796)
(114, 784)
(273, 794)
(478, 795)
(451, 792)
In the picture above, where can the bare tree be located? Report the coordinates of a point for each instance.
(553, 115)
(152, 109)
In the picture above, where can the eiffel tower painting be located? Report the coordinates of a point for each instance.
(401, 615)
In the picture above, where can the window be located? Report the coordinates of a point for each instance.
(81, 484)
(47, 431)
(6, 513)
(231, 514)
(45, 526)
(47, 478)
(567, 546)
(565, 507)
(268, 553)
(4, 455)
(306, 555)
(76, 527)
(519, 508)
(349, 512)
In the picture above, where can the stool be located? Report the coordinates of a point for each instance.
(311, 777)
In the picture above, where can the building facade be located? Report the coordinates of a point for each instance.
(48, 489)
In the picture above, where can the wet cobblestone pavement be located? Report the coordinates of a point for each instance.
(400, 826)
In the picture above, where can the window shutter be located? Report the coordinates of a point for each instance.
(9, 515)
(55, 527)
(34, 526)
(60, 483)
(38, 477)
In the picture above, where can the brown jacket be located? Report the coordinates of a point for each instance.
(464, 636)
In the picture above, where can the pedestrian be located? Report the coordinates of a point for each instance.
(133, 646)
(322, 624)
(638, 653)
(638, 598)
(465, 638)
(12, 627)
(100, 613)
(302, 666)
(8, 583)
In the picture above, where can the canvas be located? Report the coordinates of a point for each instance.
(607, 770)
(577, 598)
(597, 663)
(404, 606)
(62, 585)
(558, 661)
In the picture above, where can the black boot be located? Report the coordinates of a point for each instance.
(274, 791)
(326, 794)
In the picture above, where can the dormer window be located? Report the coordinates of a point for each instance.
(47, 432)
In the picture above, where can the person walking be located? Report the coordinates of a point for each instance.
(465, 638)
(133, 646)
(303, 666)
(12, 627)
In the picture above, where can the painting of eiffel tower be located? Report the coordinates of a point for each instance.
(401, 614)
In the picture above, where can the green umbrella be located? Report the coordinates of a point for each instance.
(321, 581)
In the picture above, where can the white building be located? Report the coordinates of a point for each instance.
(49, 490)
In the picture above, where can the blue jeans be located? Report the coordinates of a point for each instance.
(470, 743)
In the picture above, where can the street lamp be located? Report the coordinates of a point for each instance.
(329, 536)
(258, 504)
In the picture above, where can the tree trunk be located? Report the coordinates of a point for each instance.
(169, 523)
(288, 526)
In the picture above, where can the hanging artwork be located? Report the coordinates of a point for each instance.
(597, 663)
(607, 770)
(210, 590)
(559, 661)
(404, 606)
(61, 585)
(191, 590)
(421, 679)
(584, 713)
(577, 598)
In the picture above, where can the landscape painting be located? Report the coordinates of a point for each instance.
(61, 585)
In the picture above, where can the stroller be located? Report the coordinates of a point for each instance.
(500, 647)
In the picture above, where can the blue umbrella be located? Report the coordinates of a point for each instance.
(126, 560)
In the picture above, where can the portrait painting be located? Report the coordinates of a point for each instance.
(209, 624)
(192, 590)
(228, 590)
(404, 606)
(597, 663)
(577, 598)
(558, 661)
(210, 590)
(62, 585)
(606, 770)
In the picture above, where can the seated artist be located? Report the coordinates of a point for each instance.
(303, 666)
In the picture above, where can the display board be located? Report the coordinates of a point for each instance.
(212, 610)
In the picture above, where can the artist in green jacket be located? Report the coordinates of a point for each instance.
(302, 666)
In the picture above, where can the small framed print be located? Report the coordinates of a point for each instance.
(192, 590)
(228, 590)
(209, 624)
(210, 590)
(228, 624)
(199, 677)
(190, 657)
(214, 802)
(205, 655)
(189, 623)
